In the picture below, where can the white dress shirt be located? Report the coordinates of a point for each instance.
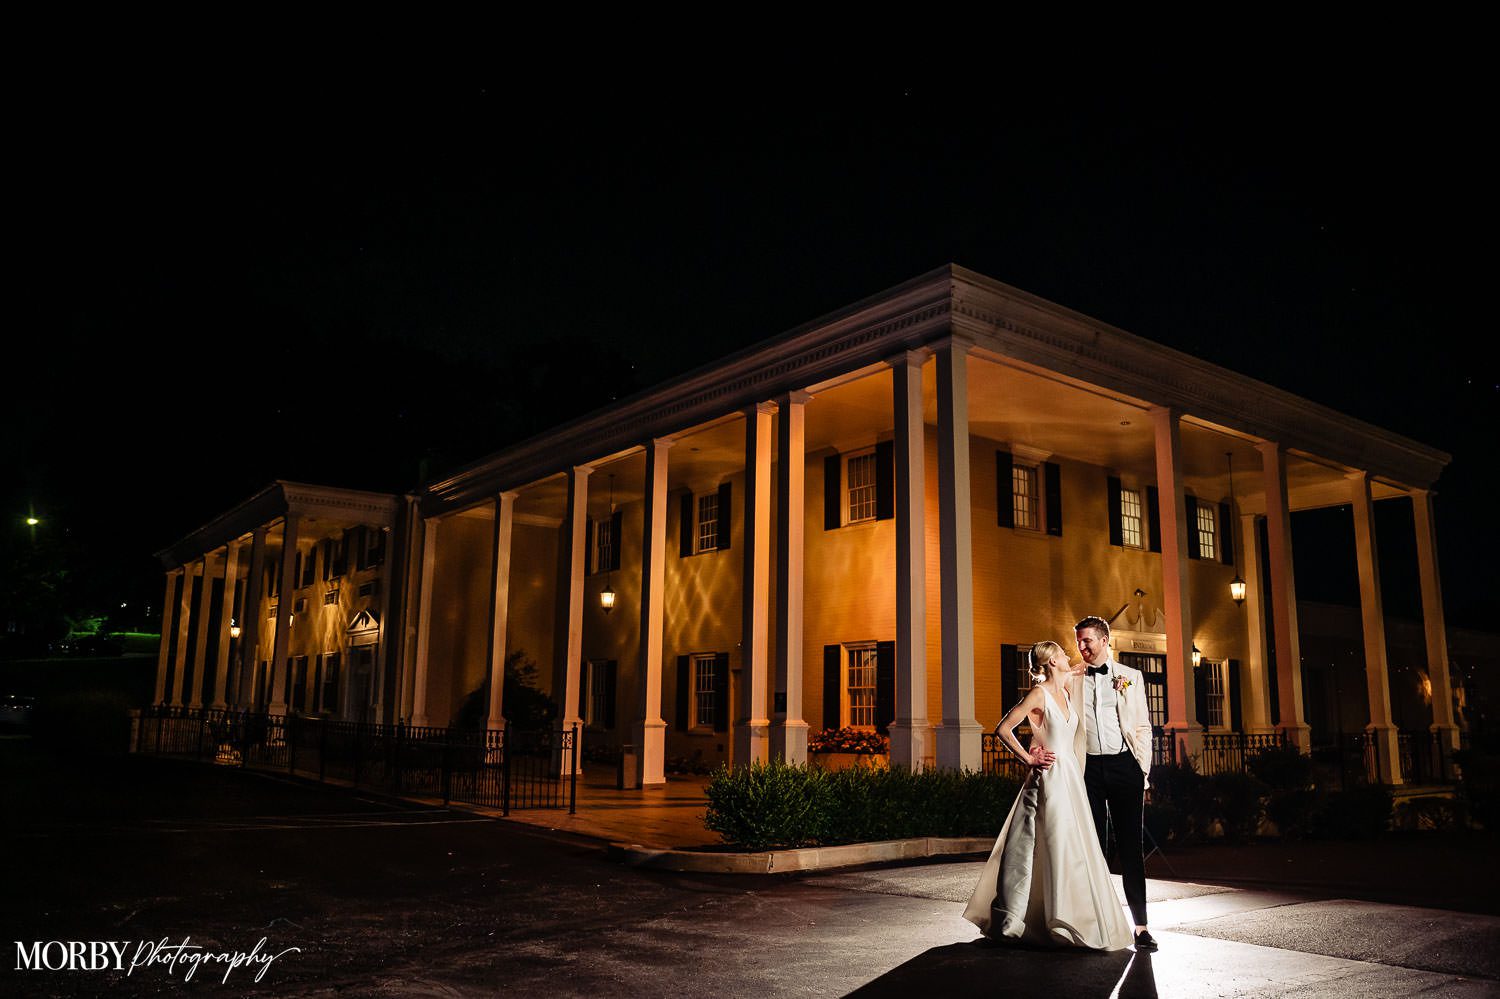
(1104, 736)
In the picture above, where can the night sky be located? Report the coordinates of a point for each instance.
(347, 281)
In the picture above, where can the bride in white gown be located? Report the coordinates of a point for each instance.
(1046, 881)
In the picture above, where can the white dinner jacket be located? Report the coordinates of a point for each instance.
(1135, 717)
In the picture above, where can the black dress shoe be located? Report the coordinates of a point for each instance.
(1145, 941)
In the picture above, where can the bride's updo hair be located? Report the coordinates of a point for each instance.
(1041, 655)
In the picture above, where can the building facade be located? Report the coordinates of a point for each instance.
(866, 521)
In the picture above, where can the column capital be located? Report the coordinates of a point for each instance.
(1270, 448)
(663, 442)
(504, 494)
(795, 397)
(584, 469)
(959, 342)
(764, 408)
(916, 357)
(1165, 412)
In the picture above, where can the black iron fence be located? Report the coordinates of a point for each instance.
(510, 769)
(1356, 759)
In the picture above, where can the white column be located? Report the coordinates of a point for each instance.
(184, 617)
(911, 731)
(1372, 614)
(788, 727)
(253, 618)
(1443, 720)
(424, 622)
(200, 643)
(505, 516)
(569, 669)
(286, 601)
(1257, 665)
(163, 659)
(752, 728)
(1283, 596)
(959, 735)
(650, 727)
(226, 618)
(1176, 588)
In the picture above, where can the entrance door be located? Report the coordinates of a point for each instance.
(359, 683)
(1154, 668)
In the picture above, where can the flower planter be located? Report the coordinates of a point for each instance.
(843, 761)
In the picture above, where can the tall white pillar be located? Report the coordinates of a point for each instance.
(249, 650)
(788, 727)
(1372, 614)
(505, 516)
(959, 735)
(1257, 665)
(911, 731)
(1443, 721)
(1283, 596)
(650, 727)
(286, 602)
(226, 617)
(752, 733)
(184, 622)
(569, 669)
(1176, 588)
(200, 645)
(391, 638)
(163, 657)
(424, 622)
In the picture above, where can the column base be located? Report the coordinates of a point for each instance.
(563, 756)
(752, 741)
(1387, 753)
(218, 706)
(278, 710)
(1299, 735)
(418, 721)
(960, 745)
(1447, 737)
(789, 740)
(651, 752)
(912, 743)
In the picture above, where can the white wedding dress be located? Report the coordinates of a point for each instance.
(1046, 881)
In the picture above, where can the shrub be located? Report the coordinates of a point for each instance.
(1284, 768)
(1431, 812)
(1292, 810)
(1480, 784)
(1358, 813)
(848, 740)
(83, 723)
(1180, 806)
(784, 805)
(1235, 800)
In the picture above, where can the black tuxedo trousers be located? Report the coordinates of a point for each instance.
(1116, 789)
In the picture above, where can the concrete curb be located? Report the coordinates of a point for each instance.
(817, 858)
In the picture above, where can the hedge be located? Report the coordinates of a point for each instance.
(785, 805)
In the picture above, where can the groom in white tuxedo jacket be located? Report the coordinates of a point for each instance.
(1114, 742)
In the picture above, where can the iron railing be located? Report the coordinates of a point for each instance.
(511, 769)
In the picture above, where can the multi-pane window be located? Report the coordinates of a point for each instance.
(1213, 680)
(604, 544)
(1154, 671)
(1205, 529)
(331, 595)
(861, 686)
(703, 692)
(1022, 666)
(862, 490)
(328, 693)
(298, 676)
(1025, 507)
(598, 678)
(1131, 531)
(708, 522)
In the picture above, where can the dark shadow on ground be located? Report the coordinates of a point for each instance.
(982, 967)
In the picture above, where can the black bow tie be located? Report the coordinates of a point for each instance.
(1098, 670)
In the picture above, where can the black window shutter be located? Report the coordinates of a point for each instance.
(725, 515)
(327, 557)
(611, 675)
(1226, 537)
(1191, 507)
(833, 685)
(1005, 487)
(1116, 529)
(318, 685)
(1236, 717)
(1153, 510)
(1053, 475)
(1009, 689)
(885, 480)
(588, 545)
(885, 685)
(833, 495)
(377, 553)
(684, 690)
(1200, 695)
(616, 530)
(297, 570)
(361, 560)
(685, 526)
(721, 692)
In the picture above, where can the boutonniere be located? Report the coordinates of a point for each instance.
(1122, 682)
